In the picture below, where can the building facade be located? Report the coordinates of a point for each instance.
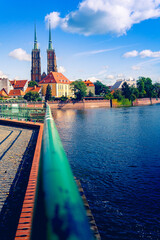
(20, 84)
(6, 84)
(90, 87)
(51, 56)
(36, 62)
(118, 84)
(60, 85)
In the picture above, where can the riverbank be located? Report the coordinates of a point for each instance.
(85, 104)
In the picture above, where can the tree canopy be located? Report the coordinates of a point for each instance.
(32, 84)
(79, 88)
(31, 96)
(100, 88)
(145, 87)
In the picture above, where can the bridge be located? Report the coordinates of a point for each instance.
(39, 196)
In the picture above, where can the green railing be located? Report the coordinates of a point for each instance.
(15, 111)
(64, 210)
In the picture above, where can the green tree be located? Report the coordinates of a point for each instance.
(145, 87)
(79, 89)
(100, 88)
(108, 96)
(157, 89)
(134, 91)
(126, 92)
(31, 96)
(118, 95)
(48, 95)
(90, 94)
(32, 84)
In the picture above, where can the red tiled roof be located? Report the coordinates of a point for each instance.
(3, 93)
(33, 89)
(18, 83)
(16, 92)
(55, 77)
(88, 83)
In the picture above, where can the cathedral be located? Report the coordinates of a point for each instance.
(36, 59)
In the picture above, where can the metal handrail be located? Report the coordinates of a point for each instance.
(64, 209)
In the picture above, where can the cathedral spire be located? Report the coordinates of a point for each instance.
(50, 47)
(35, 39)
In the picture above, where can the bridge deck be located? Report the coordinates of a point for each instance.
(16, 154)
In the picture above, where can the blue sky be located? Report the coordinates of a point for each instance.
(105, 39)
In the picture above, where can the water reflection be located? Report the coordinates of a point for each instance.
(115, 153)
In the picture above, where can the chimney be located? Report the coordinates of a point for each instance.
(15, 82)
(35, 86)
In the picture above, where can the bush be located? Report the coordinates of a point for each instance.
(63, 99)
(31, 96)
(39, 99)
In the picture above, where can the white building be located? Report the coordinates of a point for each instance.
(6, 84)
(119, 83)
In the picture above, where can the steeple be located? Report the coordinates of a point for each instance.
(35, 39)
(36, 60)
(50, 47)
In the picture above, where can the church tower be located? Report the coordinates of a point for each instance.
(51, 56)
(36, 61)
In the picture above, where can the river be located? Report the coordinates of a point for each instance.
(116, 155)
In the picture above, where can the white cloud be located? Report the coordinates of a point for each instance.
(93, 79)
(110, 77)
(106, 16)
(142, 54)
(53, 18)
(133, 53)
(136, 67)
(120, 75)
(61, 69)
(2, 75)
(20, 54)
(149, 53)
(93, 52)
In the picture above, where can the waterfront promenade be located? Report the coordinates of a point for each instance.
(20, 185)
(17, 145)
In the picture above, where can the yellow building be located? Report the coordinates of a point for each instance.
(90, 87)
(60, 85)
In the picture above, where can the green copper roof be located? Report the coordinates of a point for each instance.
(35, 39)
(50, 47)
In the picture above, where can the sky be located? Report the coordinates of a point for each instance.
(102, 40)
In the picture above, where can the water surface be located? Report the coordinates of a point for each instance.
(116, 155)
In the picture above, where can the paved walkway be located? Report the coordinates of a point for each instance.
(13, 143)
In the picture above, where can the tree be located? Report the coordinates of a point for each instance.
(32, 84)
(118, 95)
(31, 96)
(145, 87)
(134, 91)
(48, 95)
(126, 90)
(157, 89)
(100, 88)
(79, 89)
(90, 94)
(108, 96)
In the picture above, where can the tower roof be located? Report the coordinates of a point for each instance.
(50, 47)
(35, 39)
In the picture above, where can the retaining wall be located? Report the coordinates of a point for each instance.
(81, 105)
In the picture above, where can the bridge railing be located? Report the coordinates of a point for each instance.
(15, 111)
(64, 210)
